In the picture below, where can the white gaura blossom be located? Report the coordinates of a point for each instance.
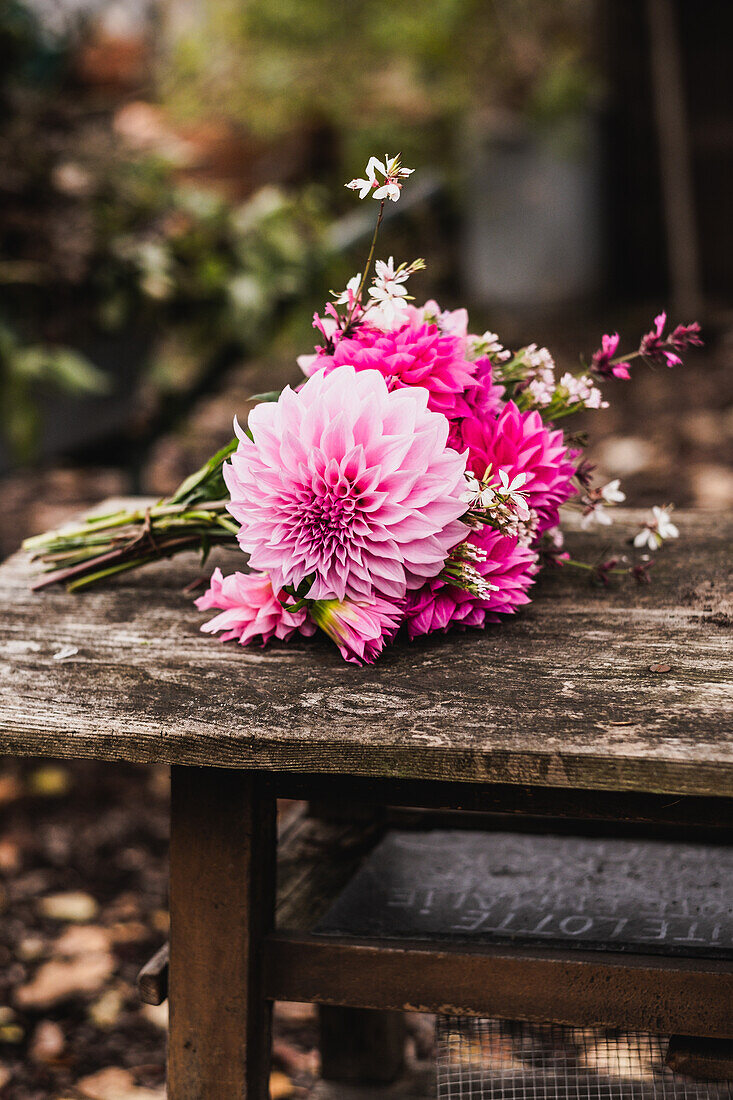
(388, 295)
(346, 297)
(658, 527)
(612, 493)
(596, 512)
(487, 495)
(511, 492)
(393, 174)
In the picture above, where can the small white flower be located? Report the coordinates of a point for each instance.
(392, 171)
(389, 190)
(658, 528)
(511, 490)
(388, 314)
(394, 168)
(665, 527)
(539, 358)
(516, 483)
(363, 186)
(542, 390)
(472, 490)
(386, 272)
(582, 391)
(346, 296)
(612, 493)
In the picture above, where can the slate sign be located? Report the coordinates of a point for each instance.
(616, 895)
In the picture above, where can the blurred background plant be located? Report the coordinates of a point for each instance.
(380, 74)
(172, 210)
(117, 274)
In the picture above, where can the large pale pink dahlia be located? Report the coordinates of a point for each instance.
(348, 485)
(520, 443)
(415, 354)
(507, 565)
(249, 609)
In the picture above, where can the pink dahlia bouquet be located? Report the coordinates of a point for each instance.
(412, 482)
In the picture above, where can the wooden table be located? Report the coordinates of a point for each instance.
(600, 704)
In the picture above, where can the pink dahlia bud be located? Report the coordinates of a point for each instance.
(348, 486)
(360, 630)
(250, 609)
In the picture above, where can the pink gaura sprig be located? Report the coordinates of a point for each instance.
(654, 346)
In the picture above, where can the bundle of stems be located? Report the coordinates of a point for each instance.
(193, 518)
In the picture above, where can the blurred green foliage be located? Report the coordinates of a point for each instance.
(384, 73)
(24, 370)
(98, 244)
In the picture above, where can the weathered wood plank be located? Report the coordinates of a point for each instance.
(582, 989)
(560, 696)
(702, 1059)
(315, 860)
(152, 981)
(222, 899)
(361, 1045)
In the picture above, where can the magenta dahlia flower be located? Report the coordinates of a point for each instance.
(507, 565)
(415, 354)
(347, 486)
(360, 630)
(250, 609)
(519, 443)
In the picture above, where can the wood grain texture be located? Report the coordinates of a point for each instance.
(222, 901)
(561, 695)
(583, 989)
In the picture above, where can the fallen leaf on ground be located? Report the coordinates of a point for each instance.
(48, 1042)
(11, 1034)
(30, 948)
(156, 1014)
(75, 906)
(133, 931)
(161, 921)
(105, 1012)
(57, 980)
(82, 939)
(116, 1083)
(49, 781)
(10, 788)
(281, 1087)
(65, 652)
(9, 855)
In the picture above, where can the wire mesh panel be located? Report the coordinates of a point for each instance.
(508, 1060)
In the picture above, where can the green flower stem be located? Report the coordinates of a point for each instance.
(370, 257)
